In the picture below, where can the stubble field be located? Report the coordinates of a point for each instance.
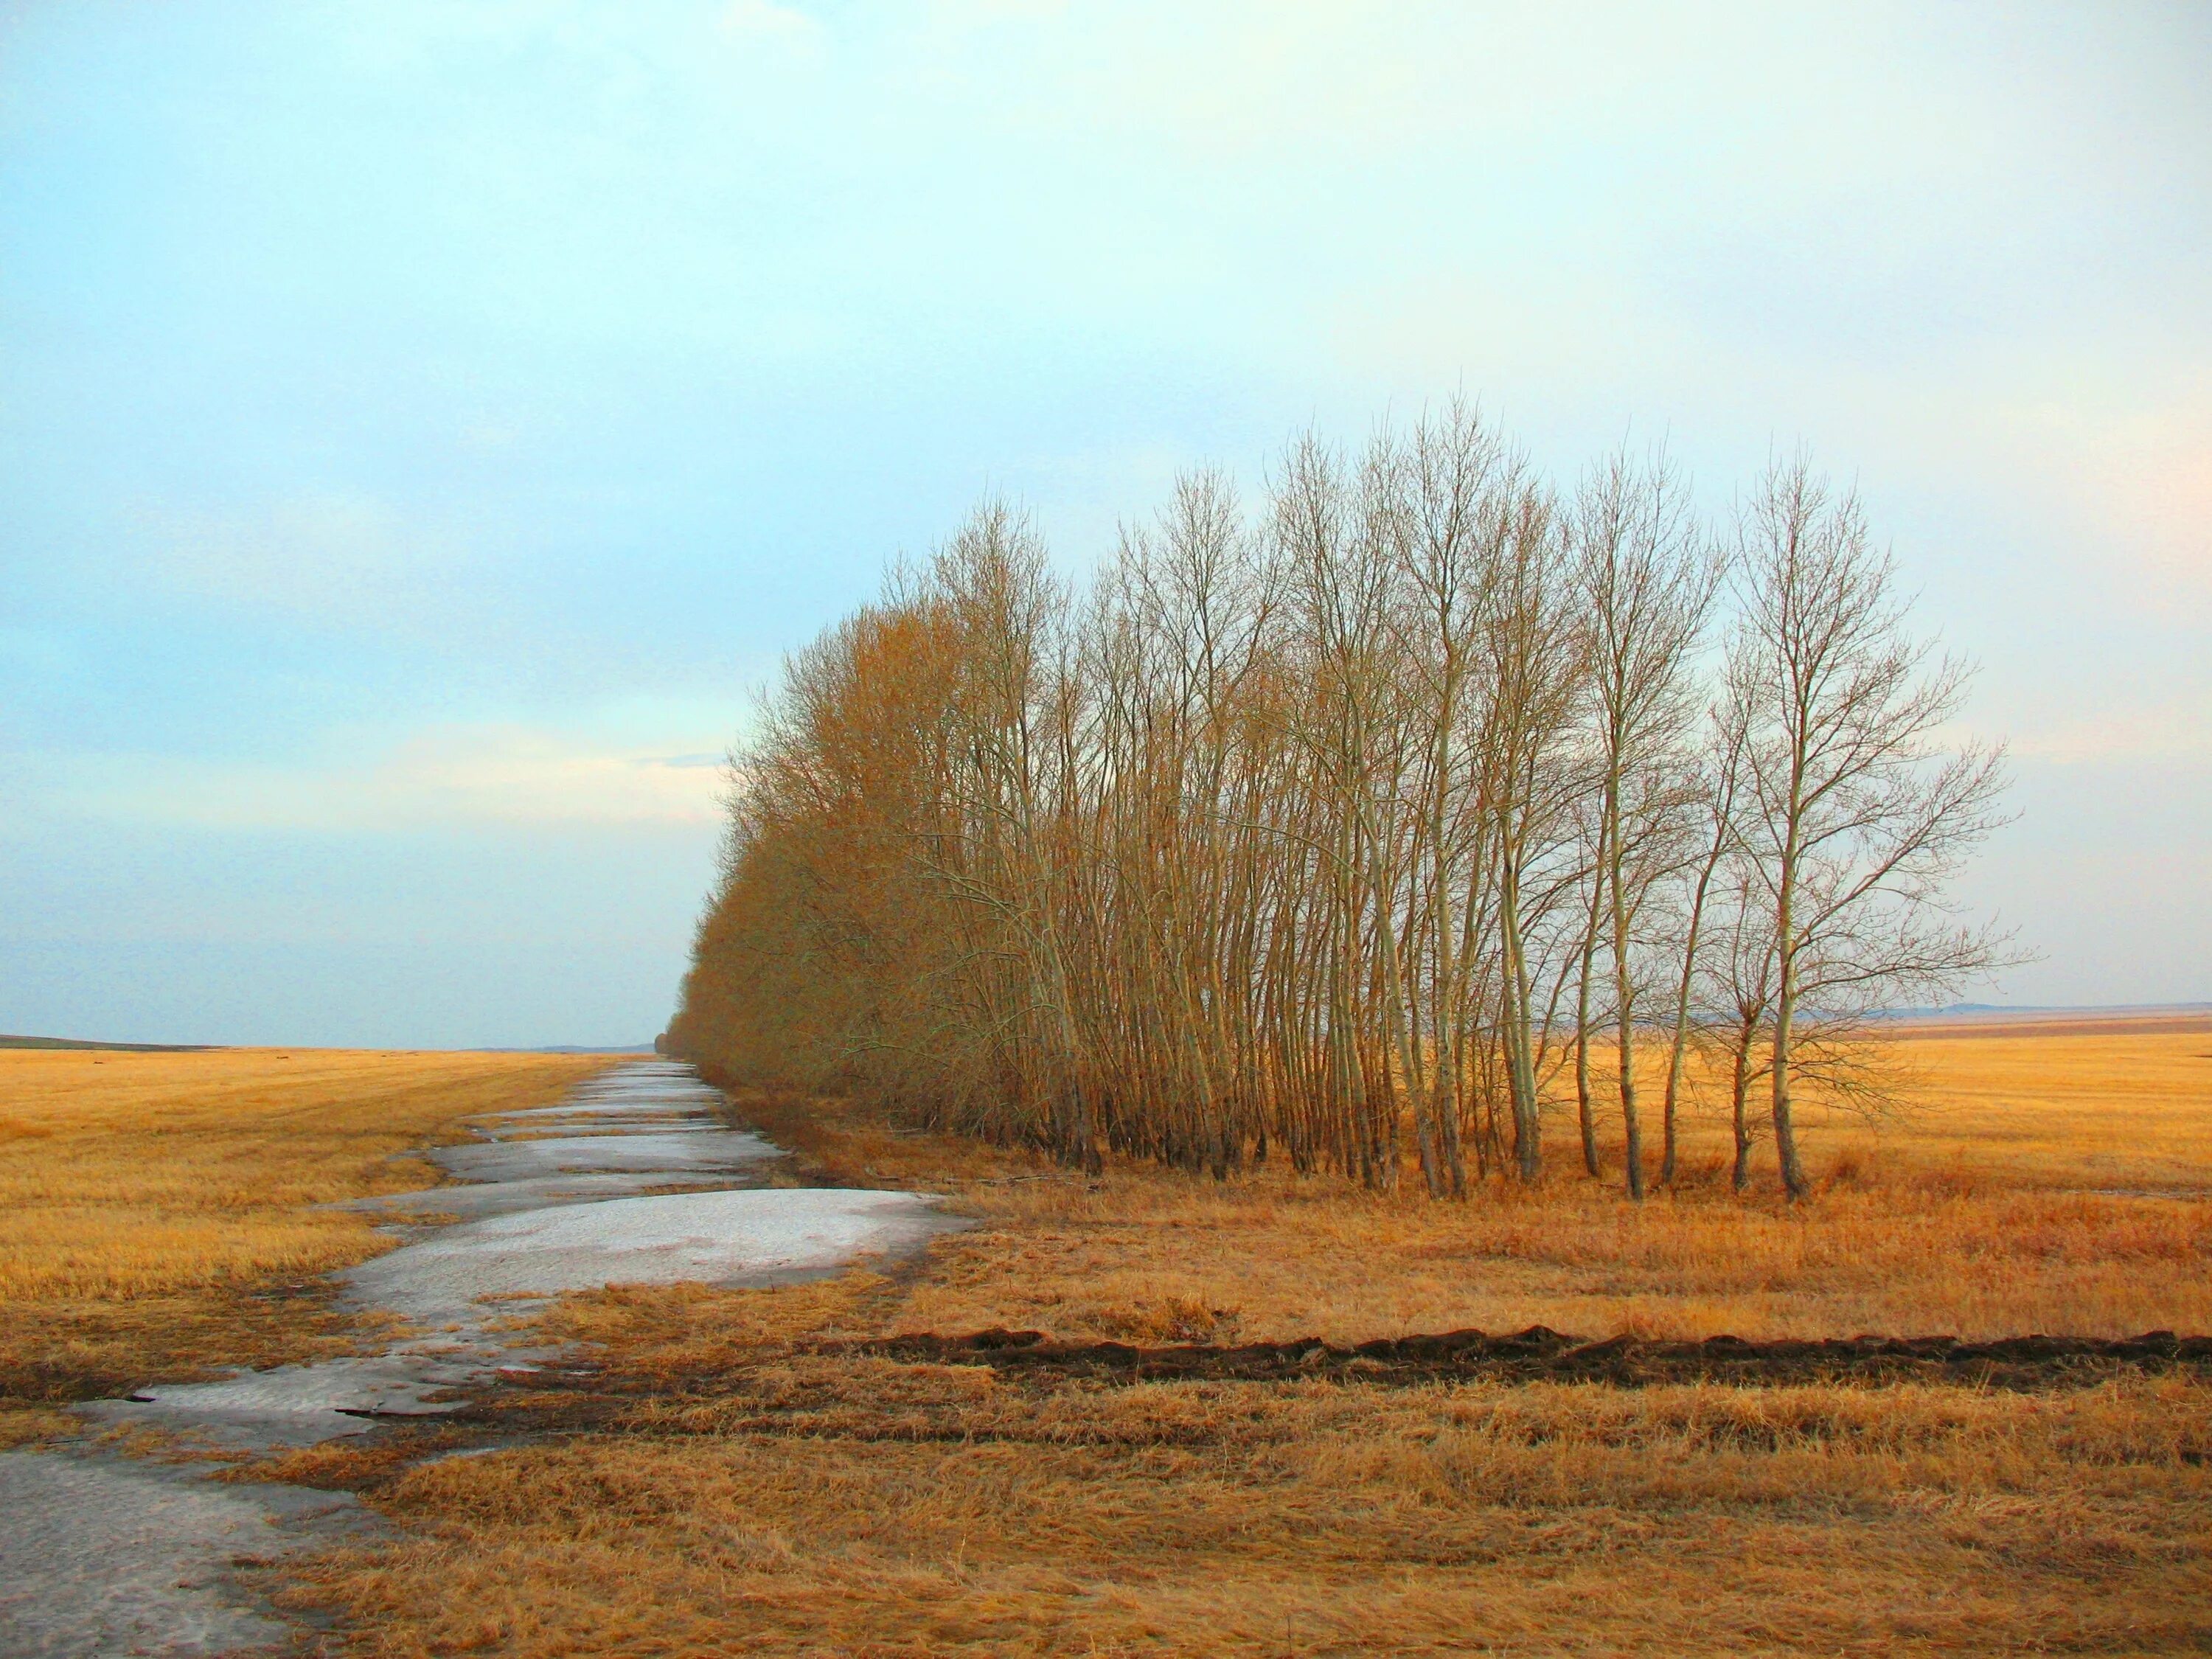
(720, 1472)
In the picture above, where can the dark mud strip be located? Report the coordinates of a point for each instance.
(1541, 1355)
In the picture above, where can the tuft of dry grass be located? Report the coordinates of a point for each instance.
(160, 1213)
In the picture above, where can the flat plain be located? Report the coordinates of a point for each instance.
(720, 1471)
(163, 1215)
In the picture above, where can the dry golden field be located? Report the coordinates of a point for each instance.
(159, 1212)
(2010, 1198)
(715, 1485)
(710, 1481)
(789, 1504)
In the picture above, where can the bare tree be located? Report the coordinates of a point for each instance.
(1534, 647)
(1716, 797)
(1449, 531)
(1646, 581)
(1856, 814)
(1348, 825)
(1746, 981)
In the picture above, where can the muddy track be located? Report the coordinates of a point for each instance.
(1539, 1354)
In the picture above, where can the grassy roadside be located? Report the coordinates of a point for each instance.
(706, 1482)
(159, 1212)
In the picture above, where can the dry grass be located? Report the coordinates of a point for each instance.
(715, 1487)
(835, 1507)
(2103, 1109)
(1978, 1214)
(158, 1212)
(712, 1487)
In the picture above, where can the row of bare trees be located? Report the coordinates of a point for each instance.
(1373, 825)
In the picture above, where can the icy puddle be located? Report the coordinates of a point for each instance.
(722, 1238)
(132, 1558)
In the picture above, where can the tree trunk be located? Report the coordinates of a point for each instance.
(1742, 1104)
(1785, 1010)
(1623, 995)
(1521, 1066)
(1682, 993)
(1583, 1114)
(1629, 1122)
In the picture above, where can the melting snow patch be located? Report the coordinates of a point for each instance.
(686, 1152)
(99, 1558)
(730, 1237)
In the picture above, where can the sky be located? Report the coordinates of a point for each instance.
(424, 427)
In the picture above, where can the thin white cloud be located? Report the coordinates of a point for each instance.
(446, 776)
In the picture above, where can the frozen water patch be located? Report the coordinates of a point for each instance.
(724, 1238)
(594, 1124)
(625, 1108)
(521, 1209)
(658, 1082)
(141, 1548)
(100, 1558)
(475, 1201)
(302, 1404)
(675, 1151)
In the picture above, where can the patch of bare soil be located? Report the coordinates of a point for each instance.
(992, 1384)
(1539, 1354)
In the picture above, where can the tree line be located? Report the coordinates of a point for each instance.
(1376, 824)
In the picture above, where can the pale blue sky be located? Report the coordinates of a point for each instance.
(421, 425)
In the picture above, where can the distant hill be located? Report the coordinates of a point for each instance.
(121, 1047)
(2007, 1012)
(579, 1048)
(1982, 1019)
(7, 1042)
